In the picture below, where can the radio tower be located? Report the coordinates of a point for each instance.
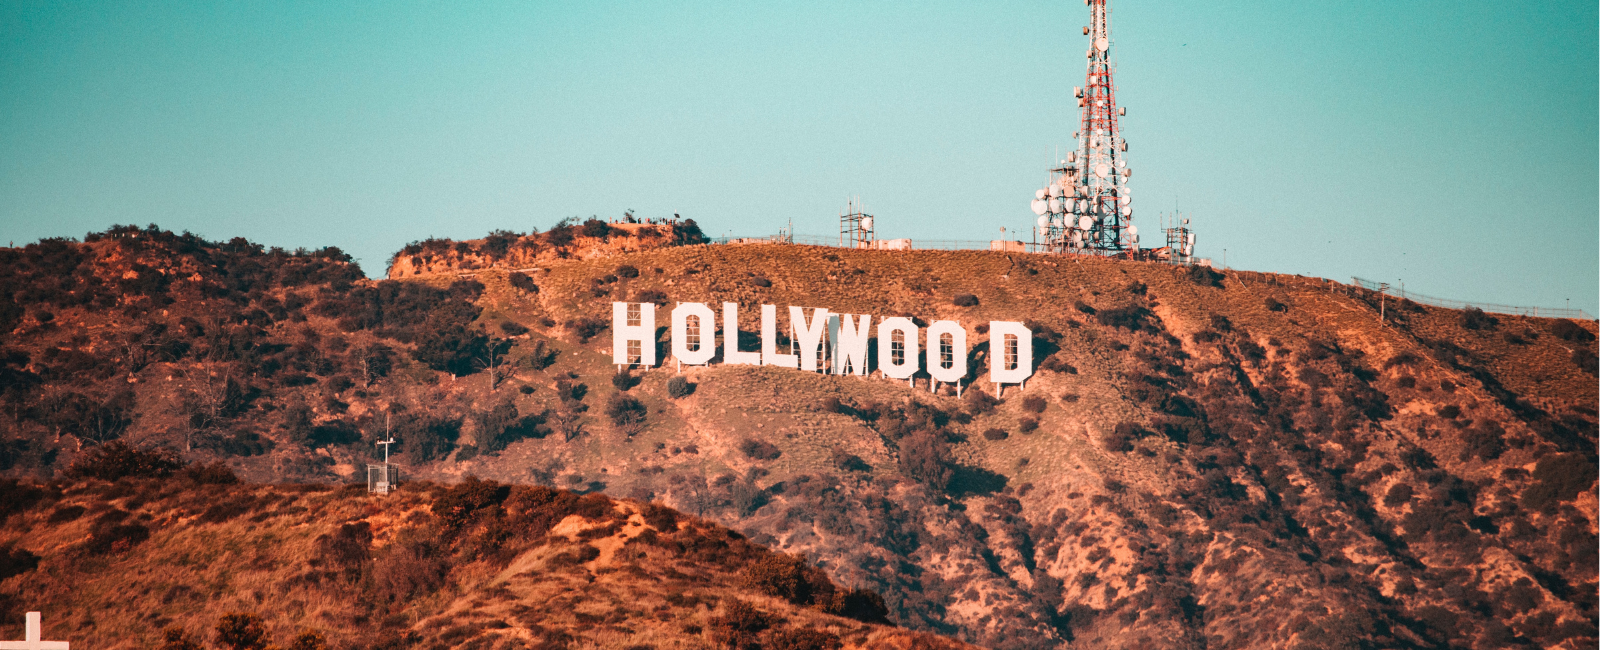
(1087, 206)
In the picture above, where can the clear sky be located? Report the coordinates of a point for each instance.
(1451, 145)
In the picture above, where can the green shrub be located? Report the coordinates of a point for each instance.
(965, 300)
(995, 435)
(1034, 404)
(1027, 425)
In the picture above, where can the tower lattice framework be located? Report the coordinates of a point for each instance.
(1087, 207)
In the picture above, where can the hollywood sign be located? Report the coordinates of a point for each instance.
(828, 342)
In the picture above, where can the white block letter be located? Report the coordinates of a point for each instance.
(1010, 352)
(808, 334)
(730, 339)
(850, 346)
(633, 323)
(769, 341)
(694, 341)
(939, 350)
(897, 358)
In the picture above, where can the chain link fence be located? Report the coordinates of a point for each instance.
(1537, 312)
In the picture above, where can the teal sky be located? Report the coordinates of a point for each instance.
(1449, 145)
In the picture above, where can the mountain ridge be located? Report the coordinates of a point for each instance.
(1409, 482)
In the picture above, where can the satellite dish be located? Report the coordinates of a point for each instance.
(1122, 163)
(1055, 205)
(1038, 206)
(1059, 222)
(1084, 222)
(1127, 212)
(1185, 222)
(1191, 239)
(1102, 170)
(1039, 194)
(866, 223)
(1083, 206)
(1133, 230)
(1043, 222)
(1127, 173)
(1126, 200)
(1101, 44)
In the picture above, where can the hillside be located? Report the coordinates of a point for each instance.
(1202, 459)
(160, 554)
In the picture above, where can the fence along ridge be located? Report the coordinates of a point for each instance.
(1445, 303)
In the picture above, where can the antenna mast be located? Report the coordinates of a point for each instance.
(1087, 206)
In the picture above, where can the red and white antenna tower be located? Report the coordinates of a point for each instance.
(1087, 208)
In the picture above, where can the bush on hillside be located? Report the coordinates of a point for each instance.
(760, 282)
(521, 281)
(1274, 305)
(656, 296)
(586, 328)
(1586, 361)
(513, 328)
(788, 577)
(1558, 477)
(679, 387)
(624, 380)
(118, 459)
(925, 458)
(1473, 318)
(759, 449)
(1131, 317)
(427, 439)
(627, 413)
(16, 561)
(801, 639)
(1398, 495)
(1571, 331)
(965, 300)
(979, 402)
(1027, 425)
(1486, 440)
(687, 233)
(596, 228)
(627, 271)
(995, 435)
(738, 625)
(1034, 404)
(1204, 276)
(241, 631)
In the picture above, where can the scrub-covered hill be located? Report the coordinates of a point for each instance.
(1201, 459)
(137, 551)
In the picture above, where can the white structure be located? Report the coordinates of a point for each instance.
(31, 632)
(1010, 353)
(633, 334)
(383, 478)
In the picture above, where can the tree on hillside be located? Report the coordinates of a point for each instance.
(492, 358)
(449, 346)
